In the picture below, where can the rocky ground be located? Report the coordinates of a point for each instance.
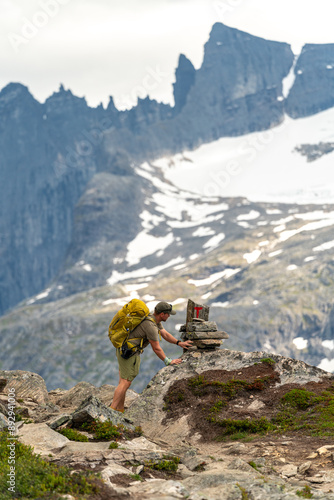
(177, 452)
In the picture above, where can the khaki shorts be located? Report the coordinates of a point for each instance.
(128, 368)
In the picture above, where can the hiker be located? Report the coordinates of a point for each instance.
(147, 332)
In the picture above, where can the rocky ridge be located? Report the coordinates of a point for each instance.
(275, 466)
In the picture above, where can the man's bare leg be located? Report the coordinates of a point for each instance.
(119, 395)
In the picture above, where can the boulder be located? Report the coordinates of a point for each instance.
(147, 410)
(81, 391)
(92, 408)
(159, 488)
(24, 385)
(55, 422)
(41, 438)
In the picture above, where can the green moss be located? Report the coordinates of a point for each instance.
(217, 407)
(304, 411)
(136, 477)
(47, 477)
(230, 389)
(230, 426)
(73, 434)
(254, 465)
(113, 445)
(299, 398)
(104, 430)
(268, 361)
(168, 464)
(196, 381)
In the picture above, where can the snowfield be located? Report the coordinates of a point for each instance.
(262, 166)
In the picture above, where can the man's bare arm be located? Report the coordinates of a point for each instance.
(160, 353)
(172, 340)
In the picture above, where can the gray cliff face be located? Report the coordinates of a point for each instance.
(103, 227)
(45, 165)
(237, 90)
(237, 87)
(185, 75)
(35, 223)
(313, 89)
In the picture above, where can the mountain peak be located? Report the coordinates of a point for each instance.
(185, 77)
(15, 91)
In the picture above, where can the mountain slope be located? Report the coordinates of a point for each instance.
(266, 269)
(51, 151)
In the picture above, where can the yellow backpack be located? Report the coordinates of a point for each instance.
(124, 322)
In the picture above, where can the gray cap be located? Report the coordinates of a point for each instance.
(164, 307)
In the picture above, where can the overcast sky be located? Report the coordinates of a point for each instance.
(127, 48)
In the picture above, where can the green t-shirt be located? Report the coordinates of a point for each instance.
(147, 330)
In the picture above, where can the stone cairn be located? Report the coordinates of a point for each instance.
(203, 333)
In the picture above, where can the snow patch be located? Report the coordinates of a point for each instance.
(273, 211)
(227, 273)
(214, 241)
(180, 266)
(253, 214)
(194, 256)
(148, 298)
(274, 254)
(329, 344)
(300, 342)
(289, 80)
(43, 294)
(312, 226)
(145, 244)
(252, 256)
(203, 231)
(327, 365)
(309, 259)
(135, 287)
(117, 277)
(244, 224)
(150, 220)
(325, 246)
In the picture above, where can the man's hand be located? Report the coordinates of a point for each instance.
(176, 361)
(186, 344)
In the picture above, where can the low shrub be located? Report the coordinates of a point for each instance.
(36, 478)
(73, 434)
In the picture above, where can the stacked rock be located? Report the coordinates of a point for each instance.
(203, 333)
